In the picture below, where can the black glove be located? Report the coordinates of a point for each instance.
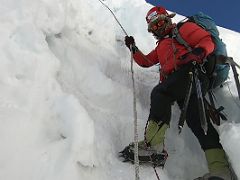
(129, 40)
(196, 54)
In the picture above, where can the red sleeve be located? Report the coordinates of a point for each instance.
(146, 60)
(196, 36)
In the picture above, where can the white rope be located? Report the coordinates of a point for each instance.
(114, 17)
(136, 160)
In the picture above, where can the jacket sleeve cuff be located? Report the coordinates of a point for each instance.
(134, 49)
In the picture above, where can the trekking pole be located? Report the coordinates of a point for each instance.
(185, 104)
(201, 107)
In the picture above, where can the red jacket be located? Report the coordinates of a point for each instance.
(193, 34)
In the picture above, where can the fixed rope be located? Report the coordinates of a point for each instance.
(136, 159)
(114, 17)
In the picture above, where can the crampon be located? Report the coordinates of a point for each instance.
(146, 156)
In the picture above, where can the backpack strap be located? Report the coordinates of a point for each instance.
(176, 35)
(222, 59)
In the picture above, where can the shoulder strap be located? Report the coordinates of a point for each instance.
(178, 37)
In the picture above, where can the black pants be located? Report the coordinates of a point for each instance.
(174, 88)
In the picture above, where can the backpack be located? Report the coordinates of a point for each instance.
(216, 65)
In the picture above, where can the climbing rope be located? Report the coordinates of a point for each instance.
(114, 17)
(136, 159)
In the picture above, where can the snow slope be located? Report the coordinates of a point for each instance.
(66, 94)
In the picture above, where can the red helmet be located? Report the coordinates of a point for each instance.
(159, 21)
(154, 12)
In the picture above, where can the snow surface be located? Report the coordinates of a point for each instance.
(66, 94)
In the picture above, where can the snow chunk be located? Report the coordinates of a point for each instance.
(77, 127)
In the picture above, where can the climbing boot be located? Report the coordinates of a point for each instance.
(150, 150)
(218, 165)
(155, 134)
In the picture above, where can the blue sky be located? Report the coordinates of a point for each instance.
(225, 13)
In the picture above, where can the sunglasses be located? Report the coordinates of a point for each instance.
(156, 23)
